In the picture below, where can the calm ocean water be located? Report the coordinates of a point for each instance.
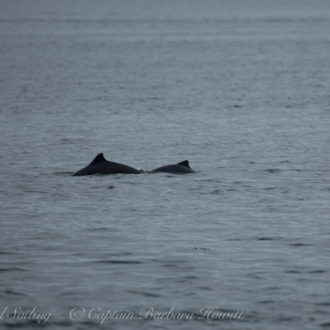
(240, 88)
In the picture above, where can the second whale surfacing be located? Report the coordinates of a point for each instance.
(100, 165)
(179, 168)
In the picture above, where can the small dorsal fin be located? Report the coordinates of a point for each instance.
(184, 163)
(98, 159)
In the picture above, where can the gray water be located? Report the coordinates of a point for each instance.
(240, 89)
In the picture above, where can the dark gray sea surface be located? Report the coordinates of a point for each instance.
(240, 89)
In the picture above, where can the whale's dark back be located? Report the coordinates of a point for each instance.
(100, 165)
(179, 168)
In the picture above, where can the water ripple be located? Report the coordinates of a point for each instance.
(128, 262)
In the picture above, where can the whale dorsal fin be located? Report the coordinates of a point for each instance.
(184, 163)
(98, 159)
